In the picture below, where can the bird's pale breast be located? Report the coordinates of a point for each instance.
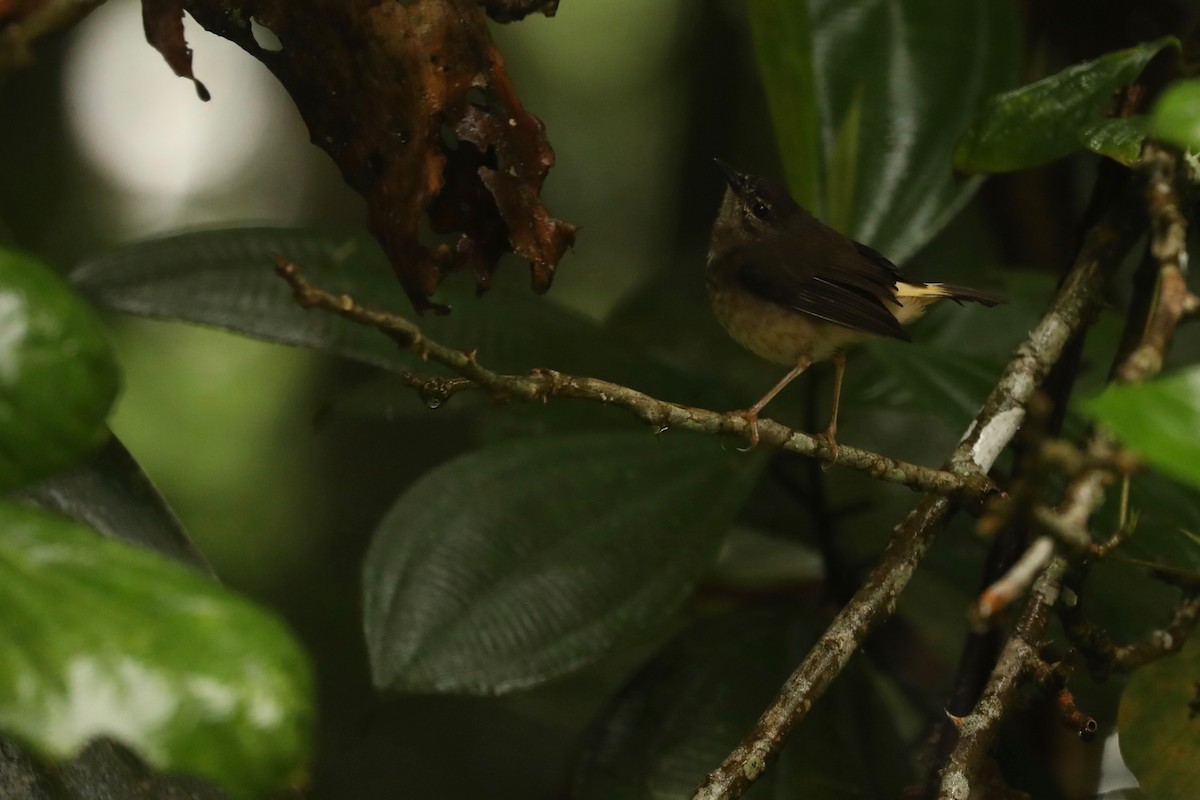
(776, 333)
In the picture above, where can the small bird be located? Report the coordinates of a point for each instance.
(795, 291)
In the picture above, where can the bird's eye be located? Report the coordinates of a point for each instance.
(760, 210)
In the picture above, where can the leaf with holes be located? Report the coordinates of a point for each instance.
(516, 564)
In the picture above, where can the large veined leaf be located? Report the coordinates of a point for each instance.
(874, 93)
(686, 710)
(1160, 420)
(518, 563)
(226, 279)
(939, 382)
(1048, 119)
(58, 376)
(1159, 723)
(109, 493)
(101, 639)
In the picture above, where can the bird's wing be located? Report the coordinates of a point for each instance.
(839, 281)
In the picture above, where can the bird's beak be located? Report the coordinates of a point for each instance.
(736, 180)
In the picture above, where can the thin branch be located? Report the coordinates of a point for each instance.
(1168, 244)
(1104, 656)
(1015, 582)
(1086, 493)
(544, 384)
(991, 431)
(1019, 658)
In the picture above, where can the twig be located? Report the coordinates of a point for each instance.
(1168, 244)
(1104, 656)
(544, 384)
(1013, 583)
(986, 438)
(1019, 657)
(1086, 491)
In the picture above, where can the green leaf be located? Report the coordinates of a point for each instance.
(684, 713)
(1176, 115)
(1044, 121)
(226, 279)
(110, 494)
(1168, 517)
(917, 71)
(783, 43)
(1159, 724)
(516, 564)
(58, 377)
(1159, 420)
(940, 382)
(100, 639)
(1119, 139)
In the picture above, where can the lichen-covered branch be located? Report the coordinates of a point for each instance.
(986, 437)
(977, 731)
(545, 384)
(1085, 494)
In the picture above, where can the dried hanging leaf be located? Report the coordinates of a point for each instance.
(163, 23)
(412, 101)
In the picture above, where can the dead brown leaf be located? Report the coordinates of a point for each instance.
(412, 102)
(163, 22)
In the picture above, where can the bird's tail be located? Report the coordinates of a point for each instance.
(956, 293)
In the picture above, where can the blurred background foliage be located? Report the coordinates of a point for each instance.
(280, 462)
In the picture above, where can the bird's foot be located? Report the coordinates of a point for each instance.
(830, 437)
(751, 417)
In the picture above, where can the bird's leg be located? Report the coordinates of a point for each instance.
(839, 372)
(751, 413)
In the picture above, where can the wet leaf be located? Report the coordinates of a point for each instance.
(516, 564)
(412, 102)
(110, 494)
(1159, 420)
(917, 72)
(1043, 121)
(58, 376)
(226, 279)
(1159, 724)
(100, 639)
(687, 710)
(1119, 139)
(1176, 115)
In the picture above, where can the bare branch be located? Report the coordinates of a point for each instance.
(544, 384)
(1085, 494)
(1015, 582)
(977, 731)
